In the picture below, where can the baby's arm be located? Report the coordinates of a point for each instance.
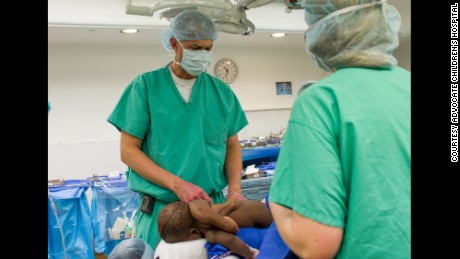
(224, 209)
(231, 242)
(202, 212)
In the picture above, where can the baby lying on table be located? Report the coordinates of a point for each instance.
(231, 227)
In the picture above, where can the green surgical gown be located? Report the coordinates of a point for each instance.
(187, 139)
(345, 160)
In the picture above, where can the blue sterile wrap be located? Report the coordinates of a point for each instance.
(272, 245)
(73, 213)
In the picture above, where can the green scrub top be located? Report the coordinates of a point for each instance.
(346, 160)
(187, 139)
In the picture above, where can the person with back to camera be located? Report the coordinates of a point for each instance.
(234, 227)
(346, 157)
(179, 127)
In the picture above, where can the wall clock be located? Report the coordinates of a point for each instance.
(226, 70)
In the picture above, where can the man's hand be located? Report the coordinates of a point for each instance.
(233, 204)
(236, 196)
(188, 192)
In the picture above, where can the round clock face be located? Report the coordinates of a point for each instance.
(226, 70)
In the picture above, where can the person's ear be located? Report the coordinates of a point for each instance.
(195, 234)
(173, 42)
(195, 231)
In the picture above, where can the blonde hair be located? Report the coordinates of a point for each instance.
(363, 35)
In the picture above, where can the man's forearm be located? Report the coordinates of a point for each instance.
(149, 170)
(233, 164)
(132, 156)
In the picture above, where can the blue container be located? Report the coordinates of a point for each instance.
(260, 155)
(69, 221)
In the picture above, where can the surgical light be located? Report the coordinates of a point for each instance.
(229, 15)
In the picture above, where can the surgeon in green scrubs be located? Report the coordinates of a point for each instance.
(179, 127)
(342, 184)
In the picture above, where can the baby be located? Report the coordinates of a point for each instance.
(217, 223)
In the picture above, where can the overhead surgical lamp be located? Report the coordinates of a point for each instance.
(235, 22)
(229, 15)
(292, 5)
(156, 5)
(248, 4)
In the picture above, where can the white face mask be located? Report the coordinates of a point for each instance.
(195, 62)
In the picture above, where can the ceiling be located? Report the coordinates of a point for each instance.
(81, 22)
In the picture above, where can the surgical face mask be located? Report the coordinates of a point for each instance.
(195, 62)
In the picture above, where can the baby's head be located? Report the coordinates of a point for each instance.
(175, 223)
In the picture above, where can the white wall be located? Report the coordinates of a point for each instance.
(85, 82)
(403, 55)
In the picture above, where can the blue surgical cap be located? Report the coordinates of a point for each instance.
(350, 33)
(189, 25)
(133, 248)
